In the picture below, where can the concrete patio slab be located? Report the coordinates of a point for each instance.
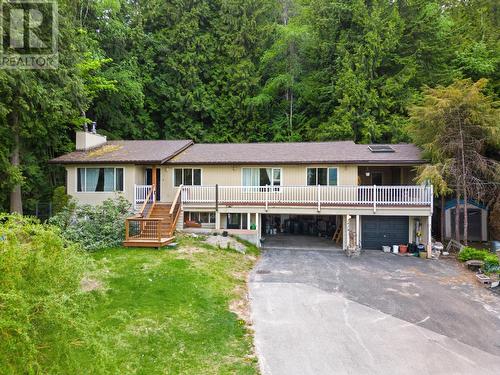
(299, 242)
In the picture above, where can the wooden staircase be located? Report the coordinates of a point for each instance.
(154, 225)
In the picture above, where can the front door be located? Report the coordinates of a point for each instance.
(149, 180)
(377, 178)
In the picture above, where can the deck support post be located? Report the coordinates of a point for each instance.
(216, 197)
(217, 220)
(248, 220)
(429, 236)
(358, 245)
(257, 227)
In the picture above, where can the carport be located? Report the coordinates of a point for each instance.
(283, 231)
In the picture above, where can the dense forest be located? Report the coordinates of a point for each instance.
(237, 70)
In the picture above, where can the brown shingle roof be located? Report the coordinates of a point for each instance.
(134, 152)
(343, 152)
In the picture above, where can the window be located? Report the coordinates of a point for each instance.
(187, 176)
(99, 179)
(322, 176)
(237, 221)
(201, 217)
(261, 176)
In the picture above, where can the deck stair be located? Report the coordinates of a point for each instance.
(154, 225)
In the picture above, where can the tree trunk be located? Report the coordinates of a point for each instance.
(464, 184)
(457, 217)
(466, 219)
(290, 132)
(16, 201)
(442, 218)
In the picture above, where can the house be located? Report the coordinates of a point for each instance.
(364, 194)
(477, 215)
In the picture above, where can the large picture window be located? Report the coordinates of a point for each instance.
(187, 176)
(322, 176)
(261, 176)
(99, 179)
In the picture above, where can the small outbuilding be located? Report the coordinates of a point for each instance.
(478, 220)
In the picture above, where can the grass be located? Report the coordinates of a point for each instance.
(167, 311)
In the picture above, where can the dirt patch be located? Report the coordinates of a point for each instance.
(239, 275)
(190, 250)
(88, 284)
(241, 305)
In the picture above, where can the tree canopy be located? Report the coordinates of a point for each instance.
(237, 70)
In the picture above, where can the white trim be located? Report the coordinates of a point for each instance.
(99, 192)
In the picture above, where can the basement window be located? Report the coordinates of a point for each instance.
(200, 217)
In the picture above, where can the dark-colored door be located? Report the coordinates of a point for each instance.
(149, 180)
(474, 224)
(378, 231)
(377, 178)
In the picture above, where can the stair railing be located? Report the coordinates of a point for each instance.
(175, 211)
(140, 226)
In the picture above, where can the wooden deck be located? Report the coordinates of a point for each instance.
(139, 242)
(154, 225)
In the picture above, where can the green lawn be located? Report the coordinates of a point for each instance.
(167, 311)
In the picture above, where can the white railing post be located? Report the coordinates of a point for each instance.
(267, 195)
(319, 198)
(135, 197)
(432, 198)
(374, 198)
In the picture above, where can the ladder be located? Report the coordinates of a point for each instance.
(337, 236)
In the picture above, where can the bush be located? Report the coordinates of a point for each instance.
(43, 328)
(94, 227)
(491, 260)
(469, 253)
(60, 200)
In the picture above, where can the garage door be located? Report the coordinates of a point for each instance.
(383, 230)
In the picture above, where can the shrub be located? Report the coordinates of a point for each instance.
(43, 328)
(60, 200)
(469, 253)
(94, 227)
(491, 259)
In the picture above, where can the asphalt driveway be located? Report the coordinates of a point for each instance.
(319, 312)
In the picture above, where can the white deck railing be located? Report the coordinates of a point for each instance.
(140, 194)
(309, 195)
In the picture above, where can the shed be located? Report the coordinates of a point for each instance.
(478, 220)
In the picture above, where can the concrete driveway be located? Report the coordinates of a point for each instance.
(319, 312)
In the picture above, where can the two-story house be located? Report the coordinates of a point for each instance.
(364, 192)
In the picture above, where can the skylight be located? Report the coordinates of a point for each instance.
(380, 148)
